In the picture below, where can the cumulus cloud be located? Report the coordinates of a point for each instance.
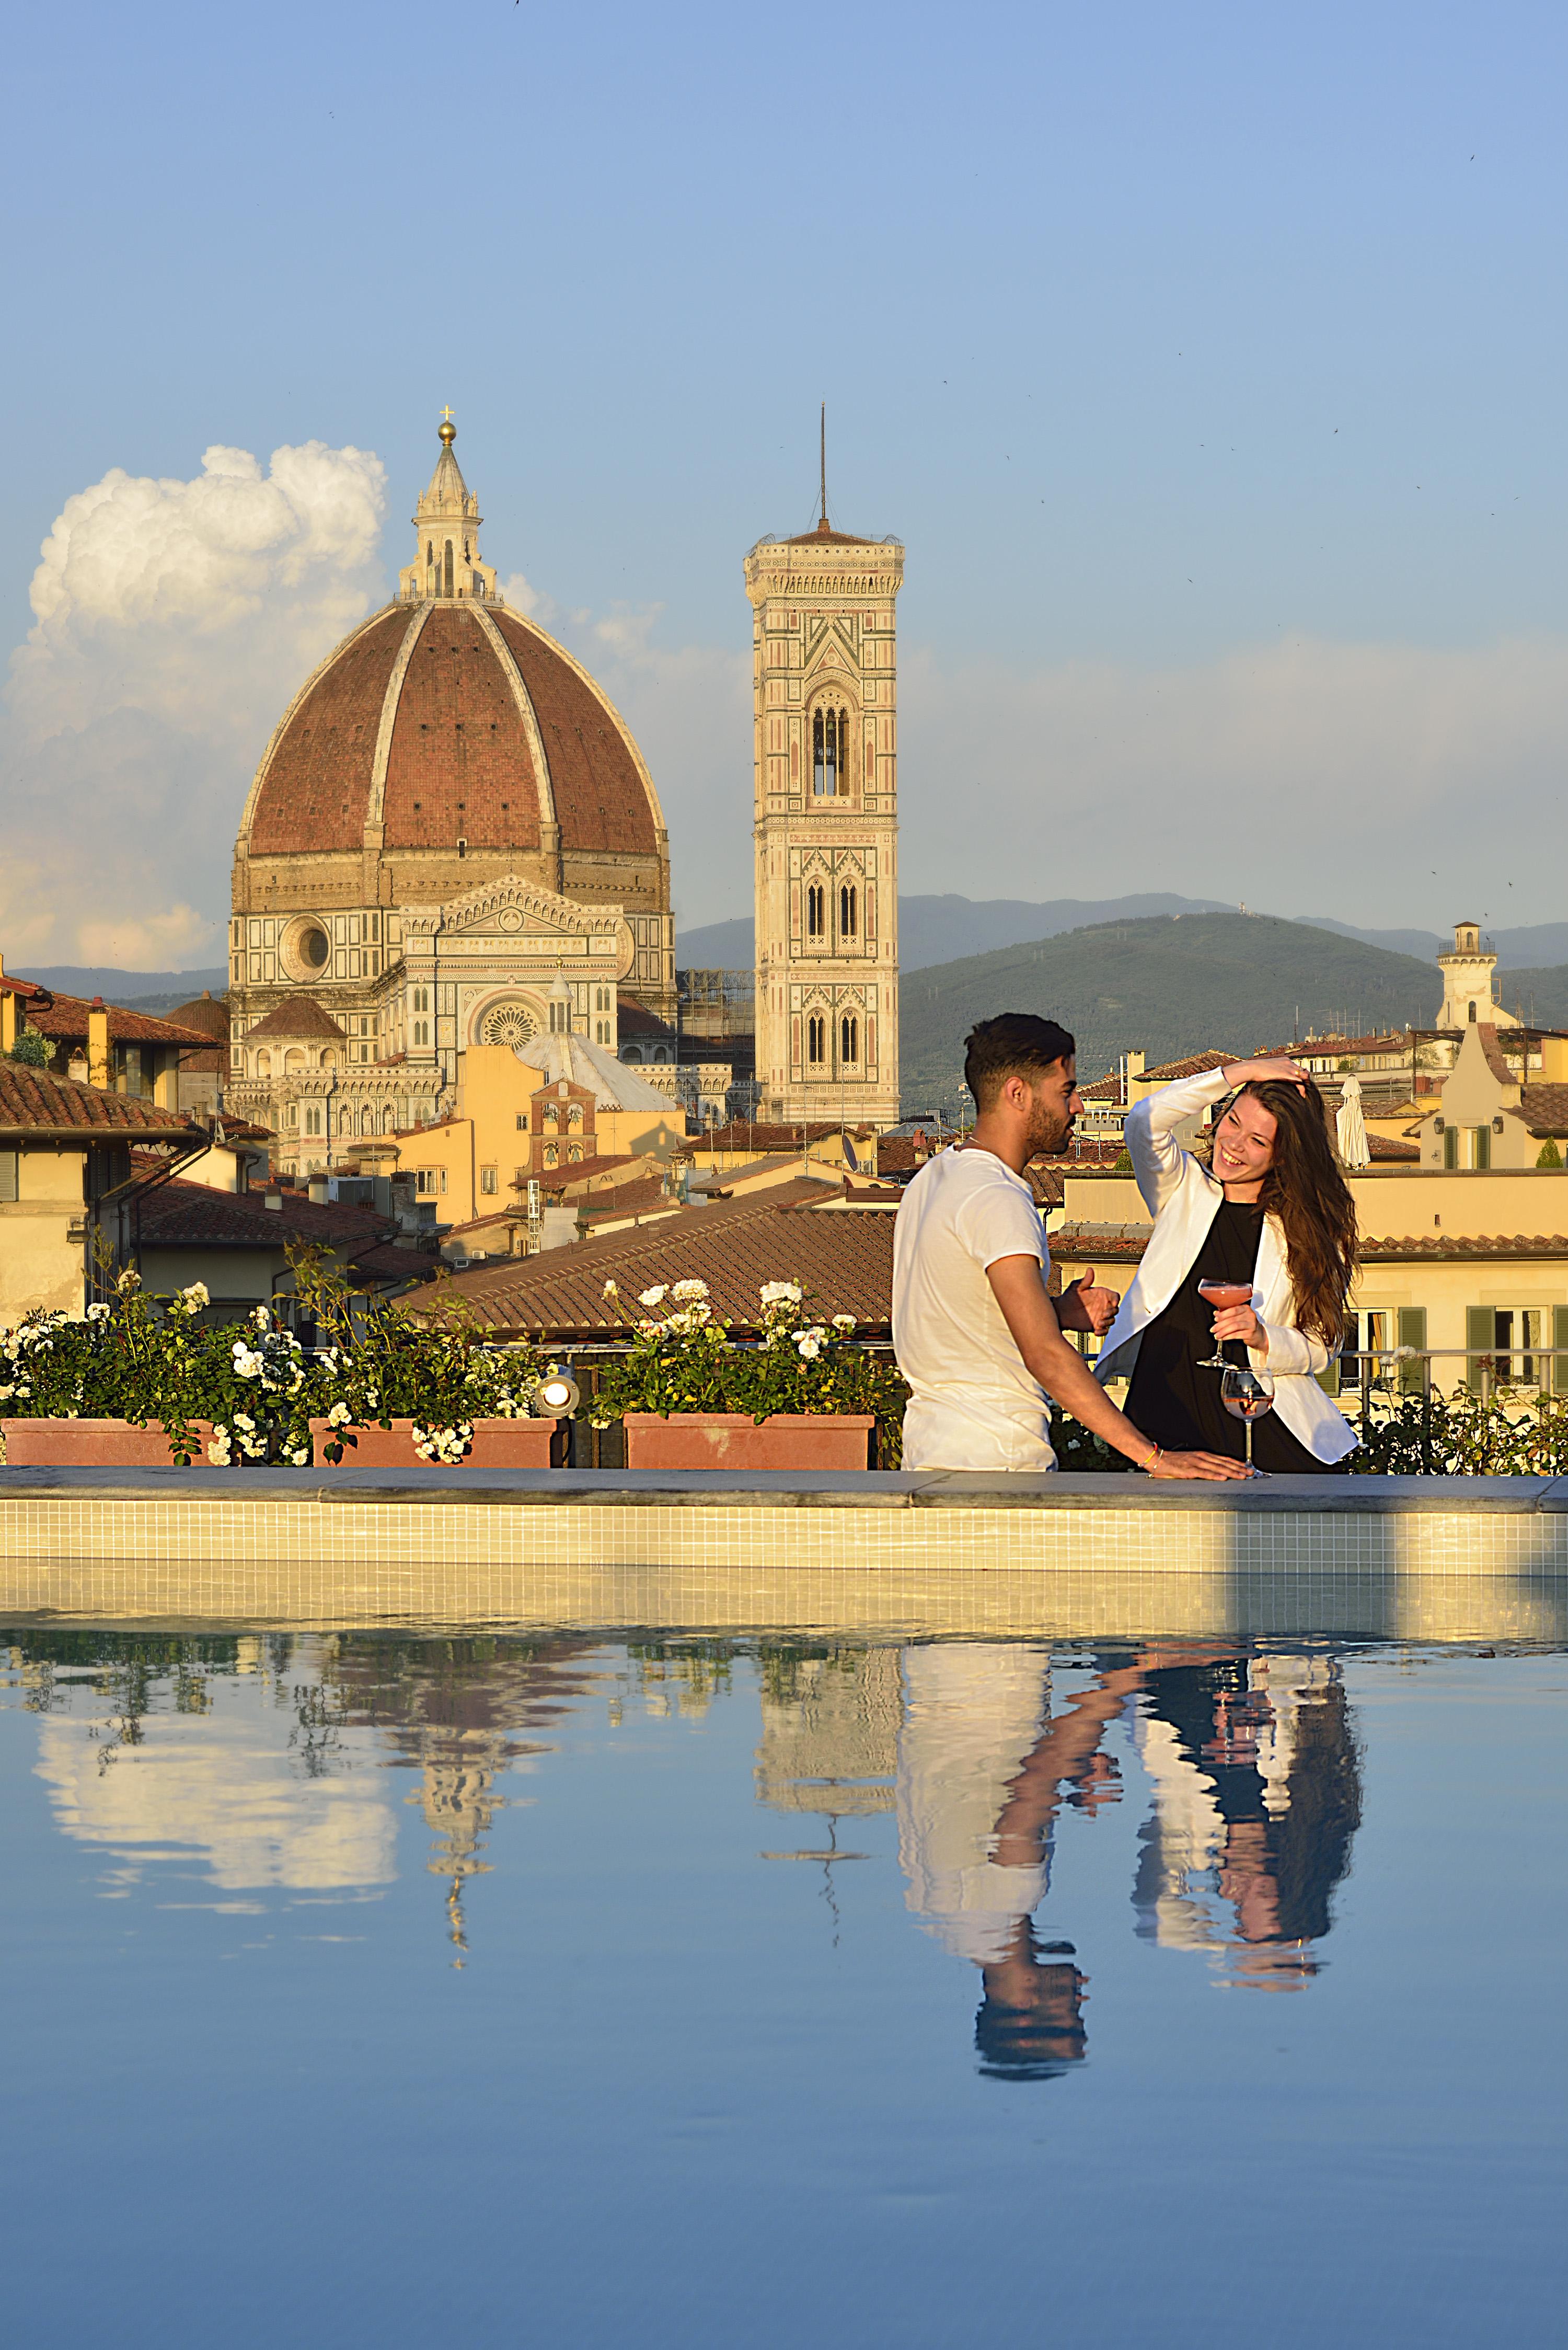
(173, 622)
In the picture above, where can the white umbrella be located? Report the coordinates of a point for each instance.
(1352, 1126)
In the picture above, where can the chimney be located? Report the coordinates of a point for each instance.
(98, 1045)
(272, 1198)
(318, 1194)
(9, 1022)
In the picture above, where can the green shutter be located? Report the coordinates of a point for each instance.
(1480, 1338)
(1450, 1145)
(1483, 1146)
(1559, 1381)
(1414, 1378)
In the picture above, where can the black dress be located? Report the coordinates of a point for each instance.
(1174, 1398)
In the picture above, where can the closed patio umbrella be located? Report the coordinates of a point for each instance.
(1352, 1126)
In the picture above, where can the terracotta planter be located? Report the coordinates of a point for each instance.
(497, 1444)
(97, 1444)
(810, 1442)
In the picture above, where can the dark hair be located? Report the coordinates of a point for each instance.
(1013, 1044)
(1307, 1191)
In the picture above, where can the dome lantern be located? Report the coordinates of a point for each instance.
(446, 522)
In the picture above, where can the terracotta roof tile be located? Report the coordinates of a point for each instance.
(844, 1259)
(742, 1134)
(34, 1102)
(601, 802)
(190, 1215)
(1125, 1243)
(1544, 1109)
(1193, 1065)
(298, 1015)
(459, 762)
(65, 1017)
(316, 786)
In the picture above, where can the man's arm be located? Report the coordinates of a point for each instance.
(1062, 1371)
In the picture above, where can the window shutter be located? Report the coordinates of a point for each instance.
(1414, 1378)
(1559, 1380)
(1480, 1338)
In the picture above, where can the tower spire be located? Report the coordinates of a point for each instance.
(446, 523)
(822, 445)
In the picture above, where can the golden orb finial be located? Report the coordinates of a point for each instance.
(447, 428)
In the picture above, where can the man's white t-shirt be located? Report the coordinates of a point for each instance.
(973, 1402)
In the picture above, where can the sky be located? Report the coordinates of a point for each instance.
(1206, 360)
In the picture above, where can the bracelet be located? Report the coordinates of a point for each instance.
(1157, 1454)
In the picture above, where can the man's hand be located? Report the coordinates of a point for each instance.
(1082, 1307)
(1198, 1464)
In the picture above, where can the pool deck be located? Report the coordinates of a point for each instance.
(1429, 1556)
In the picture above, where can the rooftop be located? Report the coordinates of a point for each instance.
(192, 1215)
(298, 1016)
(65, 1017)
(36, 1105)
(844, 1261)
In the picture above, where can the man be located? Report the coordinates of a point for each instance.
(976, 1335)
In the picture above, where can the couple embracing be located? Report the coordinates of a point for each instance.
(980, 1341)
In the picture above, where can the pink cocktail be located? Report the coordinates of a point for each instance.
(1219, 1294)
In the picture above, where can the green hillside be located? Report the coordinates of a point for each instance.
(1540, 995)
(1170, 984)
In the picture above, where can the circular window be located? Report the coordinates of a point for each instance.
(314, 949)
(508, 1024)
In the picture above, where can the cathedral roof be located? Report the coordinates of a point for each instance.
(611, 1083)
(446, 716)
(823, 535)
(298, 1015)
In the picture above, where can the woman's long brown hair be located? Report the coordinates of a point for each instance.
(1306, 1190)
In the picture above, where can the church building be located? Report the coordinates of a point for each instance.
(824, 694)
(451, 840)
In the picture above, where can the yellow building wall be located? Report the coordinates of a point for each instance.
(1389, 1201)
(41, 1262)
(493, 1087)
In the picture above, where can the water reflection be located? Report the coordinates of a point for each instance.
(262, 1761)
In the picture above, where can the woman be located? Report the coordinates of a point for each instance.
(1273, 1209)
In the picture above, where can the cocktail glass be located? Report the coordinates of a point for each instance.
(1247, 1395)
(1219, 1293)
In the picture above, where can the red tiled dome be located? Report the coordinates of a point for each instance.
(440, 721)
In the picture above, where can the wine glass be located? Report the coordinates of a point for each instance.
(1247, 1395)
(1218, 1292)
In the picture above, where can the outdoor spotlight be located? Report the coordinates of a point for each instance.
(560, 1395)
(1439, 1126)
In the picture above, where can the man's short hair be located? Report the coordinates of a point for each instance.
(1013, 1044)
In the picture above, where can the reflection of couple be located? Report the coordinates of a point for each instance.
(980, 1343)
(1255, 1797)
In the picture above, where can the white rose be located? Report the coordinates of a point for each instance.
(685, 1290)
(844, 1321)
(654, 1296)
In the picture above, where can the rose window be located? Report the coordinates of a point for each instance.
(508, 1024)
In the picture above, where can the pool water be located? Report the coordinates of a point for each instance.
(590, 1989)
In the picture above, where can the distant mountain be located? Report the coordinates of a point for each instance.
(941, 930)
(1535, 945)
(139, 987)
(1537, 996)
(1171, 986)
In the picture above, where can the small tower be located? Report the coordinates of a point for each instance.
(824, 696)
(1468, 984)
(447, 519)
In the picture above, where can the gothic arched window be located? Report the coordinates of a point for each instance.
(848, 910)
(448, 567)
(829, 753)
(816, 910)
(816, 1038)
(848, 1040)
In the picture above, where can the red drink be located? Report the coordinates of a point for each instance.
(1226, 1293)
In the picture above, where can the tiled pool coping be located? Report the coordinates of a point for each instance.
(910, 1556)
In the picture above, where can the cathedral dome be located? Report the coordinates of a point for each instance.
(438, 721)
(448, 718)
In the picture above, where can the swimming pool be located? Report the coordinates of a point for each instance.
(599, 1987)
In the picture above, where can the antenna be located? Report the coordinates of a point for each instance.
(823, 525)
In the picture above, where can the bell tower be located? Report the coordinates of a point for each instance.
(824, 715)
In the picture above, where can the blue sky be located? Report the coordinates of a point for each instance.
(1208, 363)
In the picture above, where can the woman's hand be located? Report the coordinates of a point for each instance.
(1239, 1322)
(1280, 1070)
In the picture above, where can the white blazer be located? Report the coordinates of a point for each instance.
(1183, 1199)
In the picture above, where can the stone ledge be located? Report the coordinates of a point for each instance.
(946, 1490)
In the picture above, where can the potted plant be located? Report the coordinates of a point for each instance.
(801, 1396)
(399, 1392)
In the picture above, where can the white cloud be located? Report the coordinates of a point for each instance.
(173, 621)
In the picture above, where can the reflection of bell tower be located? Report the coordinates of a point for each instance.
(825, 719)
(459, 1801)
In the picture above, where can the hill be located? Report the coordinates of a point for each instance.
(1539, 995)
(154, 992)
(942, 928)
(1532, 947)
(1171, 985)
